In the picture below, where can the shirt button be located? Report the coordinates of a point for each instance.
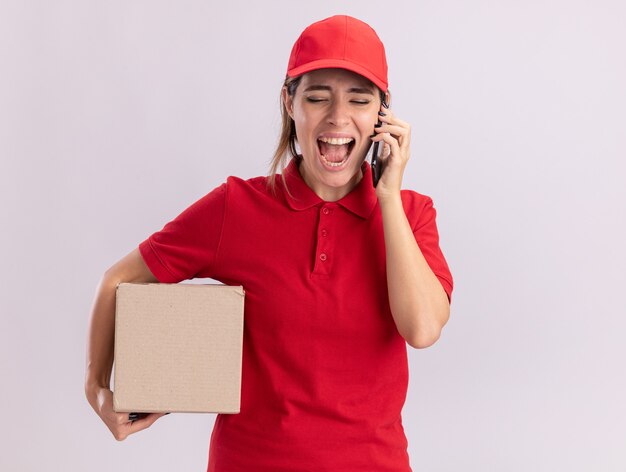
(326, 211)
(323, 257)
(324, 233)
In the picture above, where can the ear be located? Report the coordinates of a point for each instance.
(287, 102)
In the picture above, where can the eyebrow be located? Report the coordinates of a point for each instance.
(312, 88)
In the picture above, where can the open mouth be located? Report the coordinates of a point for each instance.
(335, 151)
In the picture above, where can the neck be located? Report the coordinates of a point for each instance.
(331, 194)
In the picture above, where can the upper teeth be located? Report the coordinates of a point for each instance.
(337, 141)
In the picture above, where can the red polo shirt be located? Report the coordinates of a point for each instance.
(324, 368)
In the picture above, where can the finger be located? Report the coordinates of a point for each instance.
(123, 418)
(123, 430)
(388, 116)
(385, 154)
(386, 150)
(387, 137)
(145, 422)
(400, 133)
(394, 147)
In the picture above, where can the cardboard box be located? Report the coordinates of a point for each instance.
(178, 348)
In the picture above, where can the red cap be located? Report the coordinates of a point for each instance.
(340, 42)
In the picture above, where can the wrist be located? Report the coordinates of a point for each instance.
(93, 390)
(389, 200)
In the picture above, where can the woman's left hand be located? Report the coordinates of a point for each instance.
(395, 136)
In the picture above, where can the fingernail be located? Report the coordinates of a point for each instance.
(378, 125)
(382, 113)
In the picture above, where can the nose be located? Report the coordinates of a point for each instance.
(338, 113)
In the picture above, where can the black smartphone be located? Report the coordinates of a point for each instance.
(377, 163)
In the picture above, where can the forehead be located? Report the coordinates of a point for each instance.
(336, 78)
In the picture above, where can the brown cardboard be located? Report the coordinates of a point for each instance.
(178, 348)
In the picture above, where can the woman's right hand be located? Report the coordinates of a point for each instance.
(101, 399)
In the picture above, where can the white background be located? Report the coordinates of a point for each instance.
(115, 116)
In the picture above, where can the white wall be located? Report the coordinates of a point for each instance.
(115, 116)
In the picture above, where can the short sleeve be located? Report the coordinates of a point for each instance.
(422, 217)
(187, 246)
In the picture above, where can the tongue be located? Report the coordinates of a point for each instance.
(333, 152)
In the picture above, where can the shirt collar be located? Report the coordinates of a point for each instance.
(361, 200)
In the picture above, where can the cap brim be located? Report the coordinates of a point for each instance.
(338, 64)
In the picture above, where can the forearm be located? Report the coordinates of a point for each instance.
(100, 346)
(100, 339)
(131, 268)
(418, 302)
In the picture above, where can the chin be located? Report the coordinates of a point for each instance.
(351, 174)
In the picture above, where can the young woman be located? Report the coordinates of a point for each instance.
(339, 275)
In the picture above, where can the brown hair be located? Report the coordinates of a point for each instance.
(287, 141)
(286, 147)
